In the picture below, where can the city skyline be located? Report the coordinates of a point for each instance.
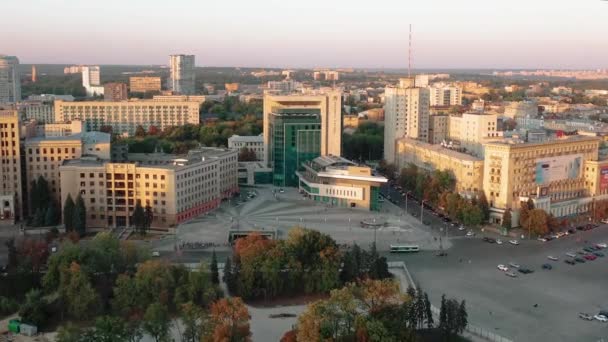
(515, 34)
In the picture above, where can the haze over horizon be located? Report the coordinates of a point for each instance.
(513, 34)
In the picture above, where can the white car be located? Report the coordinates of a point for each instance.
(470, 233)
(551, 257)
(503, 268)
(601, 318)
(514, 242)
(512, 264)
(498, 241)
(156, 254)
(461, 228)
(511, 274)
(602, 245)
(570, 254)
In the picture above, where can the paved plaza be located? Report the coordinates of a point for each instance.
(284, 211)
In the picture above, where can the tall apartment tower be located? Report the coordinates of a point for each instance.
(91, 80)
(10, 81)
(11, 187)
(406, 114)
(299, 128)
(34, 74)
(182, 76)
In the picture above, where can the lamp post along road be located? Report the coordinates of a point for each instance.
(421, 211)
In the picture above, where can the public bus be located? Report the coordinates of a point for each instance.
(404, 248)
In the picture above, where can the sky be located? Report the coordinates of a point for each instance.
(566, 34)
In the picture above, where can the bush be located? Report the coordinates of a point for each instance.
(8, 306)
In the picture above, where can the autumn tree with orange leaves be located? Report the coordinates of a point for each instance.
(231, 319)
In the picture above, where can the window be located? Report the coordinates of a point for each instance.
(82, 175)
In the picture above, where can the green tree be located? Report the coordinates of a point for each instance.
(75, 290)
(506, 219)
(462, 317)
(126, 297)
(109, 329)
(484, 206)
(138, 219)
(428, 313)
(34, 197)
(156, 322)
(215, 278)
(195, 321)
(79, 216)
(33, 310)
(51, 215)
(229, 275)
(538, 221)
(68, 214)
(39, 217)
(443, 315)
(43, 192)
(148, 218)
(69, 333)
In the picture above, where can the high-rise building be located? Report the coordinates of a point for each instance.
(182, 77)
(144, 84)
(115, 91)
(125, 116)
(406, 114)
(10, 81)
(299, 128)
(445, 95)
(11, 189)
(472, 130)
(91, 80)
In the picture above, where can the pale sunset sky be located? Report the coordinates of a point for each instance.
(309, 33)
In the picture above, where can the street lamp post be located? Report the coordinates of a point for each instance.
(421, 211)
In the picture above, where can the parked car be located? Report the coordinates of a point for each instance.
(579, 260)
(601, 318)
(585, 316)
(511, 274)
(590, 257)
(489, 239)
(602, 245)
(512, 264)
(470, 233)
(571, 231)
(551, 257)
(156, 254)
(498, 241)
(503, 268)
(542, 239)
(598, 254)
(461, 228)
(588, 249)
(525, 270)
(571, 254)
(514, 242)
(547, 267)
(570, 262)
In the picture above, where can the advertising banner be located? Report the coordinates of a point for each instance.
(604, 178)
(557, 168)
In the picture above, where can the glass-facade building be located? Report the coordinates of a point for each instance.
(295, 137)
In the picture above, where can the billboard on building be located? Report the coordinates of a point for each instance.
(557, 168)
(604, 178)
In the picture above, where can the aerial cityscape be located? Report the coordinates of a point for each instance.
(304, 172)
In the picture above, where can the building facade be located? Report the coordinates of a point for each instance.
(445, 95)
(125, 116)
(551, 173)
(254, 143)
(438, 128)
(472, 130)
(10, 80)
(42, 112)
(91, 80)
(61, 129)
(182, 78)
(467, 170)
(298, 128)
(11, 192)
(115, 91)
(406, 114)
(144, 84)
(339, 182)
(177, 188)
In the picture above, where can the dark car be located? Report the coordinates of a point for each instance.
(525, 270)
(588, 249)
(489, 239)
(547, 267)
(571, 231)
(569, 262)
(579, 260)
(599, 254)
(580, 227)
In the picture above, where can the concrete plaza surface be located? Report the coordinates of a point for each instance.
(505, 305)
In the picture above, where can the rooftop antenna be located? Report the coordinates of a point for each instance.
(409, 55)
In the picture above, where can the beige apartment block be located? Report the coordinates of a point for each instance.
(62, 129)
(144, 84)
(44, 156)
(551, 173)
(438, 128)
(467, 170)
(328, 103)
(115, 91)
(472, 130)
(11, 191)
(125, 116)
(43, 112)
(177, 188)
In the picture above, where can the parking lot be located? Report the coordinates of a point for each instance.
(506, 305)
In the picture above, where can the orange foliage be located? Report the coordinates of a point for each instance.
(231, 319)
(36, 251)
(290, 336)
(251, 246)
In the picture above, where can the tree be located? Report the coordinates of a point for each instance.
(231, 319)
(246, 154)
(33, 310)
(148, 218)
(39, 217)
(51, 215)
(69, 333)
(109, 329)
(538, 221)
(140, 132)
(428, 312)
(506, 219)
(153, 130)
(195, 321)
(68, 214)
(79, 217)
(484, 206)
(228, 275)
(156, 322)
(524, 212)
(443, 315)
(138, 219)
(463, 320)
(215, 278)
(75, 290)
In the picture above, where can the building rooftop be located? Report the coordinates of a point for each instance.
(440, 149)
(247, 138)
(520, 143)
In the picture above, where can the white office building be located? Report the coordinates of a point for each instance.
(10, 82)
(445, 95)
(91, 80)
(182, 77)
(254, 143)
